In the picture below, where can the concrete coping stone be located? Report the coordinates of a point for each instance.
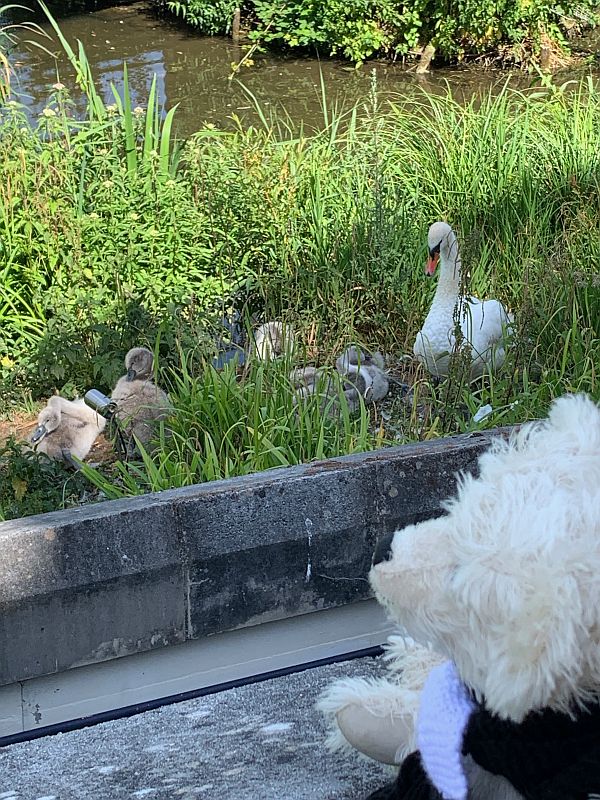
(120, 577)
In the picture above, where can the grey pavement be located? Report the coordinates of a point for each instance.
(257, 742)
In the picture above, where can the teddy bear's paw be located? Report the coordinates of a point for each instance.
(485, 786)
(375, 717)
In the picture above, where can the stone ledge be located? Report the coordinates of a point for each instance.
(121, 577)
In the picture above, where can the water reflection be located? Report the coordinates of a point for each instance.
(193, 71)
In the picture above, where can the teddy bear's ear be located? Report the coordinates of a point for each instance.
(530, 632)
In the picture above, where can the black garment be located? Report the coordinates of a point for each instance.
(548, 756)
(412, 783)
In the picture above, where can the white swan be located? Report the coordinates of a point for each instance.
(140, 402)
(484, 323)
(66, 428)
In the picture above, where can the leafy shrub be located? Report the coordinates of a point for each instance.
(212, 17)
(30, 483)
(96, 256)
(475, 27)
(358, 29)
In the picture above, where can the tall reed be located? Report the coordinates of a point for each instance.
(223, 427)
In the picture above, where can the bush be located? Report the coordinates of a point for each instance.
(212, 17)
(97, 255)
(358, 29)
(355, 29)
(30, 483)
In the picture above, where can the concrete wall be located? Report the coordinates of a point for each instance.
(122, 577)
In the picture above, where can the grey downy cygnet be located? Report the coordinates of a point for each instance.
(305, 381)
(66, 428)
(272, 340)
(364, 371)
(140, 402)
(309, 381)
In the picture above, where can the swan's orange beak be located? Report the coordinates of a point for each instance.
(432, 262)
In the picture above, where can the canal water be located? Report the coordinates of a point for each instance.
(193, 71)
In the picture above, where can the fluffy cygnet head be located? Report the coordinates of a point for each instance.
(139, 362)
(48, 421)
(439, 240)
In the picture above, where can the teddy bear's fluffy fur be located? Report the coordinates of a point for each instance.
(392, 704)
(506, 584)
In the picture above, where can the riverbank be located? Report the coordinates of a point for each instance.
(197, 73)
(193, 72)
(114, 238)
(450, 31)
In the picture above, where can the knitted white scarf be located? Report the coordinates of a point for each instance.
(443, 716)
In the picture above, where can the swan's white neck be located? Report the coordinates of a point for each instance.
(450, 274)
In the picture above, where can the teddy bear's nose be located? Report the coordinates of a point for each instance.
(383, 550)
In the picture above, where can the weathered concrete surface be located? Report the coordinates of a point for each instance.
(197, 664)
(261, 742)
(79, 587)
(126, 576)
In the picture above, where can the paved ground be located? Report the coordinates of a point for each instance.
(259, 742)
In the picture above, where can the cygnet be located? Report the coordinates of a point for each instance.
(364, 371)
(305, 380)
(140, 402)
(66, 428)
(309, 381)
(273, 339)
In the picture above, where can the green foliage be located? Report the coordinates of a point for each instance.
(358, 29)
(97, 251)
(224, 426)
(30, 483)
(99, 241)
(211, 17)
(474, 27)
(324, 230)
(109, 239)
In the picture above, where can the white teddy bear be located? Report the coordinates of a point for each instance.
(501, 698)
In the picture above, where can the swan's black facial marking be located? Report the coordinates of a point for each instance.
(435, 251)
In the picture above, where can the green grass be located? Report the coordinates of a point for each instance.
(223, 427)
(110, 237)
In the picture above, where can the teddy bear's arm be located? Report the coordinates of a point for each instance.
(374, 716)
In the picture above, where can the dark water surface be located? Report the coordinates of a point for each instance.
(193, 70)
